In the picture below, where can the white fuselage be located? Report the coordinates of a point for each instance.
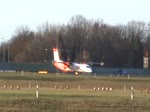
(79, 67)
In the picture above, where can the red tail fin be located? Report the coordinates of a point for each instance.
(56, 55)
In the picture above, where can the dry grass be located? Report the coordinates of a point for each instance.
(73, 99)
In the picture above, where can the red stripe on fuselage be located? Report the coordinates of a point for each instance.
(62, 66)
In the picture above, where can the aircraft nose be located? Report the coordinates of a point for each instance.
(90, 70)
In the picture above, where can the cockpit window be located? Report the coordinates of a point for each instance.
(87, 66)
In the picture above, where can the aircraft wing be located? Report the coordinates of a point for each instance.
(95, 64)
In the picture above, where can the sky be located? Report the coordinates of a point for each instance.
(33, 13)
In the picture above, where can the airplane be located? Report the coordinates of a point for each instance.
(67, 67)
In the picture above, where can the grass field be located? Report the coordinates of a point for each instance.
(80, 97)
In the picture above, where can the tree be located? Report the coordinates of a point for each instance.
(82, 40)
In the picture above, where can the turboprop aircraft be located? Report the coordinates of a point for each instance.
(67, 67)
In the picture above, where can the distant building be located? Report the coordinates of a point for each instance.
(146, 60)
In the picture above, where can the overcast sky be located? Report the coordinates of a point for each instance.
(32, 13)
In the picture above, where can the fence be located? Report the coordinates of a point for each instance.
(123, 71)
(51, 69)
(27, 67)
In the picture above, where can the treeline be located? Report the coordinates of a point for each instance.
(80, 40)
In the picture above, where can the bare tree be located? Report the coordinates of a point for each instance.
(82, 40)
